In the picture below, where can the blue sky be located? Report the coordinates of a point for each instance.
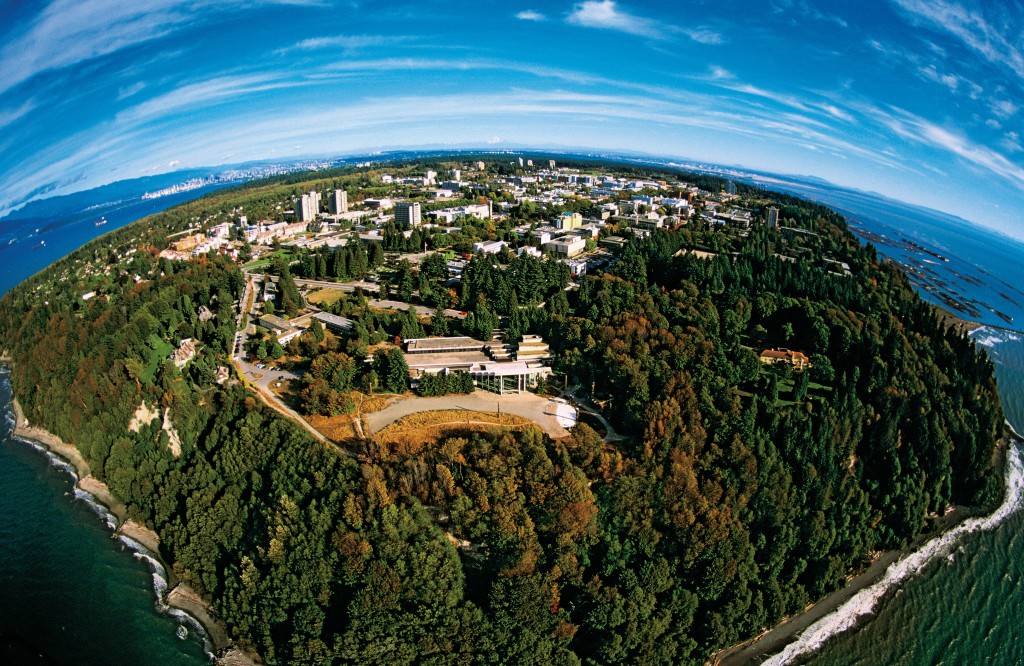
(919, 100)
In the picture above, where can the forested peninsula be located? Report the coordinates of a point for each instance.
(744, 486)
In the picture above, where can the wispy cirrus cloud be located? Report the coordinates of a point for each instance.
(531, 15)
(71, 32)
(607, 15)
(8, 116)
(925, 132)
(928, 66)
(347, 43)
(216, 90)
(803, 8)
(999, 44)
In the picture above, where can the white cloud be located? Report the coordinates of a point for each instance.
(530, 15)
(717, 73)
(494, 139)
(932, 74)
(1004, 108)
(67, 32)
(704, 36)
(346, 42)
(606, 15)
(971, 28)
(1011, 141)
(125, 92)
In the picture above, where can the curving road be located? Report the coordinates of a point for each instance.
(527, 405)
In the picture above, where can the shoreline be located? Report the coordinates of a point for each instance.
(179, 597)
(770, 643)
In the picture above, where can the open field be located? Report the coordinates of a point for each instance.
(158, 351)
(328, 296)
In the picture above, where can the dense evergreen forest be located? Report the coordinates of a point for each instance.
(743, 494)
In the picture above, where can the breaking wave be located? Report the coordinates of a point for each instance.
(139, 551)
(990, 337)
(160, 590)
(864, 602)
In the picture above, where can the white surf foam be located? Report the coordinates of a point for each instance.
(101, 510)
(863, 603)
(138, 550)
(160, 589)
(990, 337)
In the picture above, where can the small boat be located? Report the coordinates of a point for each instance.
(101, 222)
(41, 243)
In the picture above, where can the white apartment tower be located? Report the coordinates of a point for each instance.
(408, 212)
(338, 203)
(773, 217)
(307, 207)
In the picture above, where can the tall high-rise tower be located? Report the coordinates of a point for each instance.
(338, 203)
(407, 212)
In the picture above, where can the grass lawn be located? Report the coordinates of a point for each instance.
(158, 351)
(284, 253)
(328, 296)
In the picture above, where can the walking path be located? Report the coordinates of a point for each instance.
(552, 416)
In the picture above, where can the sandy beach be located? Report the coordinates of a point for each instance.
(760, 648)
(180, 596)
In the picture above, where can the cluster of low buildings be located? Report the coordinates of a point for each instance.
(497, 366)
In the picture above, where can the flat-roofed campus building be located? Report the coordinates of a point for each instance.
(566, 246)
(281, 329)
(443, 345)
(510, 377)
(333, 322)
(489, 363)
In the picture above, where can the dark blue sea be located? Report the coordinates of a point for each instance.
(68, 589)
(959, 600)
(81, 596)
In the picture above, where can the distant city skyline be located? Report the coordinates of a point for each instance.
(919, 101)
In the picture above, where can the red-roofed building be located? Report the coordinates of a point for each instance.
(794, 358)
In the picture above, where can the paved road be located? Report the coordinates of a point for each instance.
(527, 405)
(421, 309)
(343, 286)
(588, 406)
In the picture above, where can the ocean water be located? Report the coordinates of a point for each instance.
(958, 600)
(38, 235)
(964, 602)
(70, 589)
